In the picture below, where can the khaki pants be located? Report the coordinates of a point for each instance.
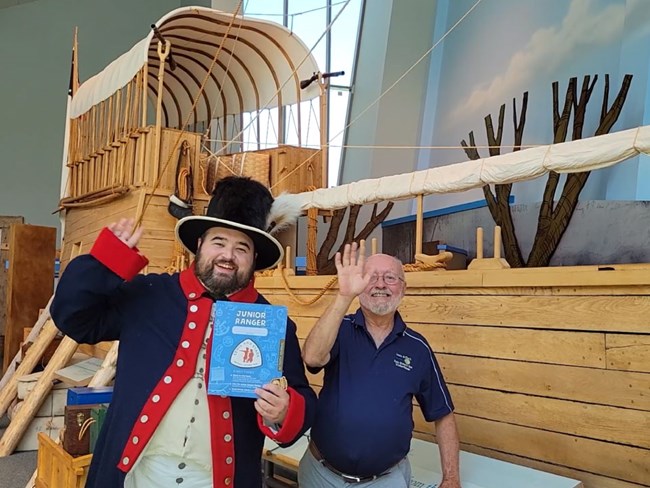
(312, 474)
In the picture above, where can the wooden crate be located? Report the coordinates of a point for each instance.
(58, 469)
(30, 281)
(5, 222)
(284, 168)
(294, 169)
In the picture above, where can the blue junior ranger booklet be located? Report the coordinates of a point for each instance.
(247, 347)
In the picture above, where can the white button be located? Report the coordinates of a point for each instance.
(227, 481)
(192, 325)
(192, 295)
(135, 440)
(180, 363)
(125, 461)
(185, 344)
(144, 419)
(227, 437)
(167, 379)
(155, 398)
(223, 396)
(226, 415)
(193, 308)
(228, 460)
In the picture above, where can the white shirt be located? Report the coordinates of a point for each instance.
(179, 454)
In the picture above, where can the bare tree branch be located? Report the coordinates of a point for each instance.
(375, 220)
(330, 239)
(325, 262)
(543, 251)
(352, 225)
(519, 124)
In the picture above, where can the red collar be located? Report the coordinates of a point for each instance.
(193, 289)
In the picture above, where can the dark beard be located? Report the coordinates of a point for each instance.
(221, 286)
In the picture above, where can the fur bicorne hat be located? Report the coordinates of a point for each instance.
(246, 205)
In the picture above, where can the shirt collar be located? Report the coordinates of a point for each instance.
(193, 289)
(399, 326)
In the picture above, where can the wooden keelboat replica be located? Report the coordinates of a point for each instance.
(168, 118)
(548, 367)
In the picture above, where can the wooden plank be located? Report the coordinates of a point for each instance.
(590, 385)
(83, 224)
(589, 480)
(106, 372)
(463, 282)
(553, 347)
(33, 355)
(298, 310)
(593, 313)
(628, 352)
(17, 427)
(605, 290)
(96, 350)
(303, 324)
(30, 281)
(31, 337)
(612, 424)
(565, 280)
(79, 374)
(606, 459)
(569, 276)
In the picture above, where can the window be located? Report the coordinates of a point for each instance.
(334, 51)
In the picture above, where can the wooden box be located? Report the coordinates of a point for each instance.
(76, 437)
(295, 169)
(58, 469)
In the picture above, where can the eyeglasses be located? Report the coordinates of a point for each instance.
(389, 278)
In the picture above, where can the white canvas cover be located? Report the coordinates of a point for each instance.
(568, 157)
(254, 70)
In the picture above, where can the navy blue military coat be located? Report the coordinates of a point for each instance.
(160, 321)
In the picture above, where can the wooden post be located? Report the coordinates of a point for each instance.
(35, 399)
(139, 177)
(497, 242)
(32, 357)
(287, 257)
(324, 146)
(497, 262)
(311, 266)
(163, 52)
(419, 224)
(106, 372)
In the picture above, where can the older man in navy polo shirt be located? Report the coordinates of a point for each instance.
(374, 366)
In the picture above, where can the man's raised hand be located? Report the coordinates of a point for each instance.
(349, 268)
(123, 230)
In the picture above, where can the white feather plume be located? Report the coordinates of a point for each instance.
(284, 213)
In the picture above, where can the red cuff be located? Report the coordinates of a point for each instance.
(293, 422)
(113, 253)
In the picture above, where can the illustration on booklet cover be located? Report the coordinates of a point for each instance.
(247, 347)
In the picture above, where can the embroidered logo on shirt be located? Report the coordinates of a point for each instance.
(246, 355)
(403, 361)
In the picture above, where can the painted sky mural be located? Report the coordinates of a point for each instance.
(506, 47)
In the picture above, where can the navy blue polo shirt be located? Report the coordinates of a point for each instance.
(364, 419)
